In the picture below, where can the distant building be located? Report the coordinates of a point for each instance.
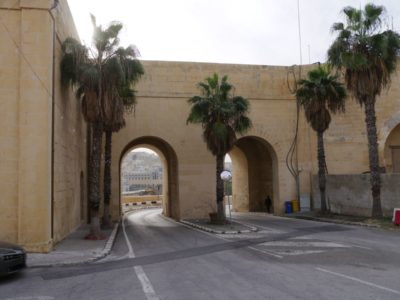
(142, 171)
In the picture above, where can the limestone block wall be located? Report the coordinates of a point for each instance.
(9, 127)
(351, 194)
(162, 111)
(346, 139)
(70, 172)
(29, 91)
(43, 139)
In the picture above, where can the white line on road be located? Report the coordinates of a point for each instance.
(266, 252)
(141, 275)
(360, 281)
(131, 254)
(218, 236)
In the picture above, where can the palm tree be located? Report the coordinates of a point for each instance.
(127, 71)
(368, 56)
(319, 95)
(221, 115)
(98, 76)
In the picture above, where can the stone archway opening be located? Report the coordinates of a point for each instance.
(150, 186)
(392, 151)
(254, 175)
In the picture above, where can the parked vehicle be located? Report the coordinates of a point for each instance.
(12, 258)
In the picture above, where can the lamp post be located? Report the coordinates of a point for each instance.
(226, 176)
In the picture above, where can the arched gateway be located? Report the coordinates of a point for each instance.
(170, 170)
(254, 174)
(159, 123)
(44, 148)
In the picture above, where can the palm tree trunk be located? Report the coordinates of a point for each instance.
(220, 188)
(107, 180)
(370, 120)
(94, 181)
(321, 170)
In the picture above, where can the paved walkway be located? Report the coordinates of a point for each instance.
(74, 249)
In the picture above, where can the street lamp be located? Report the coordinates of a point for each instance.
(226, 176)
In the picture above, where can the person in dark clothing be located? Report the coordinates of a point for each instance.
(268, 203)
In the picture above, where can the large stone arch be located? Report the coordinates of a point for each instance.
(386, 129)
(170, 165)
(391, 150)
(255, 174)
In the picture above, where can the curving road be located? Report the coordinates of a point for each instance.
(157, 258)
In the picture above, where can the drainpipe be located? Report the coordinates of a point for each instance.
(55, 4)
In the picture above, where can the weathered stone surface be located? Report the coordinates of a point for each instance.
(351, 194)
(43, 137)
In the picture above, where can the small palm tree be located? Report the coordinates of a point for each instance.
(99, 75)
(128, 71)
(221, 115)
(368, 57)
(321, 94)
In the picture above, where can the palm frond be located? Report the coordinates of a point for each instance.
(367, 55)
(220, 114)
(105, 78)
(320, 94)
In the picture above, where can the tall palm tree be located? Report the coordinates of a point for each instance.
(368, 57)
(128, 71)
(319, 95)
(98, 76)
(221, 115)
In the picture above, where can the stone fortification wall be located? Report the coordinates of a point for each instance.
(351, 194)
(34, 182)
(70, 175)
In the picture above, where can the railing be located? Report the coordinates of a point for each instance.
(140, 199)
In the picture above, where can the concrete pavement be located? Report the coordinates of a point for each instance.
(74, 249)
(156, 258)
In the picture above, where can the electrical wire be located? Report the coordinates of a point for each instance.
(292, 162)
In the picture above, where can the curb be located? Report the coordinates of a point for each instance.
(106, 250)
(141, 203)
(140, 207)
(206, 229)
(334, 221)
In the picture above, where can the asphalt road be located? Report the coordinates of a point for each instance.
(157, 258)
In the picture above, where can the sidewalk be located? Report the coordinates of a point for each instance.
(236, 227)
(74, 249)
(384, 223)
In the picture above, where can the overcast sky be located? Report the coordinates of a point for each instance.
(261, 32)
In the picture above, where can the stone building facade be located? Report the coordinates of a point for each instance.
(43, 137)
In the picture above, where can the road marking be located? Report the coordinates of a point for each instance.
(146, 284)
(131, 254)
(300, 252)
(141, 275)
(324, 240)
(32, 298)
(303, 243)
(360, 281)
(266, 252)
(219, 236)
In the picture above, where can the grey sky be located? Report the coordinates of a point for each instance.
(225, 31)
